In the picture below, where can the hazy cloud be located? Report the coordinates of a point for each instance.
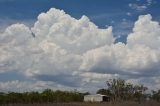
(141, 6)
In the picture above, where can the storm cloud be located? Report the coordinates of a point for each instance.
(75, 52)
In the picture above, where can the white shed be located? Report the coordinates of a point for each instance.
(96, 98)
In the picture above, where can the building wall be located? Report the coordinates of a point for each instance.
(93, 98)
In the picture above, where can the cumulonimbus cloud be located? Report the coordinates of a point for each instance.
(76, 49)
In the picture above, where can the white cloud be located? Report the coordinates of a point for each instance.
(137, 7)
(24, 86)
(76, 53)
(139, 54)
(76, 36)
(15, 46)
(21, 86)
(149, 2)
(141, 6)
(146, 32)
(129, 14)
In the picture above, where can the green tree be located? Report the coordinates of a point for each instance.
(139, 91)
(116, 86)
(156, 95)
(105, 92)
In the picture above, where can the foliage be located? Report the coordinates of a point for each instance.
(117, 89)
(120, 89)
(156, 95)
(47, 96)
(105, 92)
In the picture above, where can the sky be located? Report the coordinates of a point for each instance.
(78, 44)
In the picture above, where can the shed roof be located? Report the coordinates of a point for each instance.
(96, 95)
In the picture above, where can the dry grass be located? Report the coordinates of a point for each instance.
(151, 103)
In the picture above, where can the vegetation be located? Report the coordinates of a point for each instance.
(47, 96)
(118, 90)
(156, 95)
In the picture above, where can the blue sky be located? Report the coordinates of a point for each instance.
(20, 70)
(103, 13)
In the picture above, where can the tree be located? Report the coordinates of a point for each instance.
(122, 90)
(116, 86)
(156, 95)
(139, 91)
(47, 95)
(104, 92)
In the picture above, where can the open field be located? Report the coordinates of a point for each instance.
(90, 104)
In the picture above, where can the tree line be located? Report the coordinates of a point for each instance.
(47, 96)
(117, 89)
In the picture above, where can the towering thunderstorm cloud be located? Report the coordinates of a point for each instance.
(76, 53)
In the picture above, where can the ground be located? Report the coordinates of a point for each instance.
(151, 103)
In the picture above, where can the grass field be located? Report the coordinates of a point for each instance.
(151, 103)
